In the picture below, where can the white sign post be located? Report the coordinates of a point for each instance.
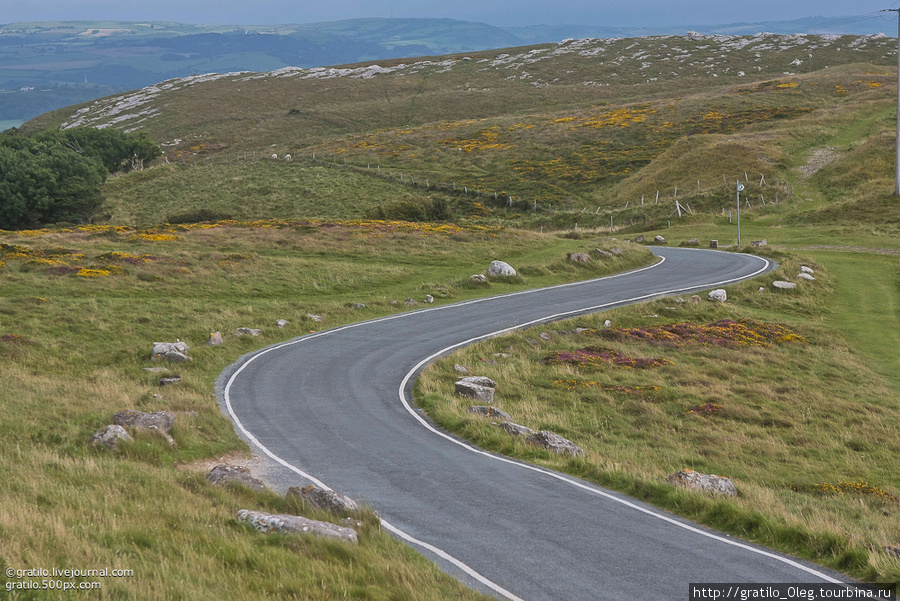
(740, 188)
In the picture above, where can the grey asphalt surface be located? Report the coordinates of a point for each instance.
(330, 405)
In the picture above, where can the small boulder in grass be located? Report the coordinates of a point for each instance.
(296, 524)
(110, 436)
(893, 550)
(489, 412)
(692, 480)
(326, 500)
(480, 381)
(554, 442)
(515, 429)
(719, 296)
(223, 474)
(215, 339)
(158, 420)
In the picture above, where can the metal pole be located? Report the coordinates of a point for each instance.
(897, 184)
(739, 187)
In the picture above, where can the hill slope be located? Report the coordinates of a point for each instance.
(597, 127)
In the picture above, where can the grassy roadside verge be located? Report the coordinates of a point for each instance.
(803, 423)
(79, 310)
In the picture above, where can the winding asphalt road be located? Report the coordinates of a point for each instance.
(333, 408)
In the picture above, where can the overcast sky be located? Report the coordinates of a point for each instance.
(496, 12)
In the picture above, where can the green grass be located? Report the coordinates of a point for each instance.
(72, 352)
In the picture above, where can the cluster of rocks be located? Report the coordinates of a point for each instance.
(806, 273)
(482, 389)
(317, 498)
(109, 437)
(656, 239)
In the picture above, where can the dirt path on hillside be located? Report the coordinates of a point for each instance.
(818, 160)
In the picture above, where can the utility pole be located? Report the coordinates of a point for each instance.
(897, 180)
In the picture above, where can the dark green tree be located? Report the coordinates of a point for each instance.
(45, 182)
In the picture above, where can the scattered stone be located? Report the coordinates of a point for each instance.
(502, 355)
(806, 269)
(893, 550)
(762, 289)
(429, 299)
(410, 302)
(516, 429)
(480, 381)
(582, 330)
(719, 296)
(281, 323)
(110, 436)
(617, 251)
(695, 298)
(215, 339)
(806, 276)
(163, 350)
(357, 306)
(659, 240)
(580, 258)
(247, 332)
(607, 324)
(478, 278)
(223, 474)
(544, 336)
(158, 420)
(295, 524)
(326, 500)
(489, 412)
(640, 238)
(759, 243)
(714, 244)
(314, 317)
(156, 370)
(784, 285)
(485, 394)
(501, 269)
(680, 300)
(169, 380)
(554, 442)
(603, 254)
(703, 482)
(459, 368)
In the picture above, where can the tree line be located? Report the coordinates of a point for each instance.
(57, 176)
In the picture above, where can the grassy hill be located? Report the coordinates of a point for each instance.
(516, 147)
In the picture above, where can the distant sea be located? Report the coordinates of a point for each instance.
(4, 125)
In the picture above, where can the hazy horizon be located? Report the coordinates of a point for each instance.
(503, 13)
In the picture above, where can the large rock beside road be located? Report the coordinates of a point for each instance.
(479, 380)
(223, 474)
(158, 420)
(781, 285)
(719, 296)
(703, 482)
(484, 394)
(326, 500)
(554, 442)
(296, 524)
(501, 269)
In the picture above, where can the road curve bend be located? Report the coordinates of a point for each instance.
(333, 408)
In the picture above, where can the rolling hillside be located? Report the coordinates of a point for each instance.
(614, 130)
